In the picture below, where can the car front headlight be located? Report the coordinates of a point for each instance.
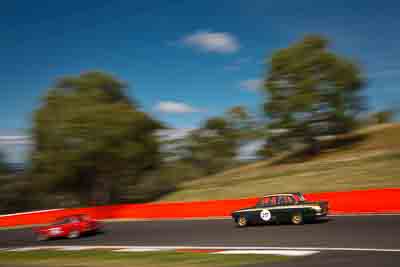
(55, 231)
(317, 209)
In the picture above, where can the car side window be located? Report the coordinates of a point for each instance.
(282, 200)
(269, 201)
(61, 221)
(273, 201)
(290, 200)
(285, 200)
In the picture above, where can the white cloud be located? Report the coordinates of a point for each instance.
(175, 107)
(173, 134)
(251, 84)
(249, 151)
(217, 42)
(15, 140)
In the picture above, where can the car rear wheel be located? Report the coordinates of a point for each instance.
(73, 234)
(297, 219)
(41, 237)
(242, 221)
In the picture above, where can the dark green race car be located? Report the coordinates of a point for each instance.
(281, 208)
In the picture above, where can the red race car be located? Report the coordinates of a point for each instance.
(71, 227)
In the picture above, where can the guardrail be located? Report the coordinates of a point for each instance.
(360, 201)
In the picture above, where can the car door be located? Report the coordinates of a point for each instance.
(266, 211)
(65, 227)
(75, 224)
(84, 224)
(279, 209)
(57, 229)
(285, 207)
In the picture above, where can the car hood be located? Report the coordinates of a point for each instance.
(319, 203)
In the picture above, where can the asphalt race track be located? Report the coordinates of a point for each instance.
(332, 236)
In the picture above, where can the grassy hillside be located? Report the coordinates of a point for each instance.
(369, 158)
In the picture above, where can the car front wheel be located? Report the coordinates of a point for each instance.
(41, 237)
(73, 234)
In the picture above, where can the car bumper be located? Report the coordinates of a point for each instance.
(51, 235)
(321, 214)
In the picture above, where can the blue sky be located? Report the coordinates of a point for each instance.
(184, 59)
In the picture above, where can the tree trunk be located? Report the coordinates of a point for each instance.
(315, 147)
(101, 192)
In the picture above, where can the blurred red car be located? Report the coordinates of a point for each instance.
(71, 227)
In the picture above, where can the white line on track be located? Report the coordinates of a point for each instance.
(207, 248)
(139, 250)
(297, 248)
(73, 248)
(24, 249)
(270, 252)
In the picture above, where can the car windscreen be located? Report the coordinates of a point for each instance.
(300, 197)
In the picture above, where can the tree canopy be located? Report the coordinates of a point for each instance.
(213, 147)
(89, 136)
(311, 91)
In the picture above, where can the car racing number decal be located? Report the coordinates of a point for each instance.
(265, 215)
